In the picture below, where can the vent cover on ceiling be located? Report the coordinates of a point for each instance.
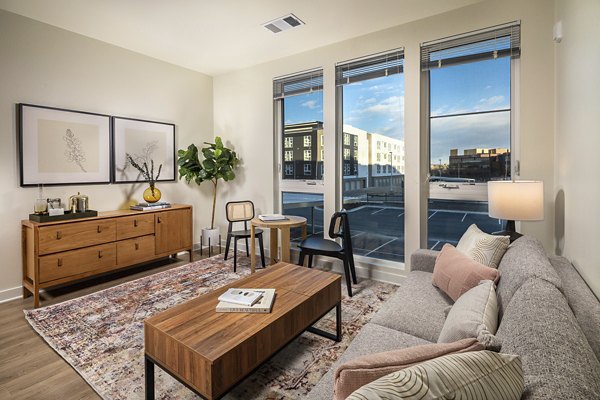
(283, 23)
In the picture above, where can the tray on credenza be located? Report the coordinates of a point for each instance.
(66, 216)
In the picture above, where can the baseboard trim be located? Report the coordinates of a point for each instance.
(10, 294)
(368, 268)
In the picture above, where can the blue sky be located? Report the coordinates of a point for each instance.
(377, 105)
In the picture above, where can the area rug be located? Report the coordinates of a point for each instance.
(101, 335)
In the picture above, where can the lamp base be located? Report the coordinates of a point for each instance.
(509, 231)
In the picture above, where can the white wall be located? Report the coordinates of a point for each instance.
(244, 107)
(578, 137)
(41, 64)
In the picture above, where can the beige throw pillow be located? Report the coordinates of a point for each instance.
(473, 375)
(474, 315)
(362, 370)
(482, 247)
(455, 273)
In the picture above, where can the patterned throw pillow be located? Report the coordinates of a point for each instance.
(474, 315)
(482, 247)
(365, 369)
(474, 375)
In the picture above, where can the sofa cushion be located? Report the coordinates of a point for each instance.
(472, 375)
(455, 273)
(417, 308)
(474, 315)
(558, 362)
(365, 369)
(582, 301)
(482, 247)
(372, 338)
(524, 259)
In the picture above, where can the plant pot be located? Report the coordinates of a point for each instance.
(212, 234)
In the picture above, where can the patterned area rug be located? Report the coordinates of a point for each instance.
(101, 335)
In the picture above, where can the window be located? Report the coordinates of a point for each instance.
(346, 139)
(378, 168)
(470, 97)
(322, 140)
(356, 154)
(307, 141)
(346, 169)
(289, 155)
(322, 154)
(298, 106)
(378, 157)
(346, 154)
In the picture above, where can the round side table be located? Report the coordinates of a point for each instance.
(284, 226)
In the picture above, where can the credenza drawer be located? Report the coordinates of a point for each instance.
(74, 262)
(136, 250)
(138, 225)
(75, 235)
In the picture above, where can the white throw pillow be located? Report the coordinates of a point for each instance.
(482, 247)
(473, 315)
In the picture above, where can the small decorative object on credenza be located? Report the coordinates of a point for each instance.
(515, 201)
(262, 303)
(50, 210)
(152, 194)
(150, 206)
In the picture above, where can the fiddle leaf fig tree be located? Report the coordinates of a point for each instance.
(218, 163)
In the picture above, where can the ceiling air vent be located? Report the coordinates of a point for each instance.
(283, 23)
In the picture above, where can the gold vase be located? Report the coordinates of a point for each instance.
(152, 194)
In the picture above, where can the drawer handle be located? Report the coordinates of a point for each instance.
(159, 221)
(100, 255)
(135, 223)
(137, 246)
(60, 262)
(99, 229)
(58, 235)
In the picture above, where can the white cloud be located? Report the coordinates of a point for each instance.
(310, 104)
(370, 100)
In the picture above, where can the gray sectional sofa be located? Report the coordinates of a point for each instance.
(548, 316)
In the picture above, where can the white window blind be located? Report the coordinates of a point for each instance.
(375, 66)
(304, 82)
(495, 42)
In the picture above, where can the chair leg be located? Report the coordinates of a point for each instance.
(234, 254)
(310, 258)
(301, 258)
(347, 273)
(352, 269)
(262, 250)
(227, 247)
(247, 248)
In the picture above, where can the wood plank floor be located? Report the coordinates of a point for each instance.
(29, 368)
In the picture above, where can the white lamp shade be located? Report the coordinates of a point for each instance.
(516, 200)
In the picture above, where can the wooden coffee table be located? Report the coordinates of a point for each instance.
(211, 352)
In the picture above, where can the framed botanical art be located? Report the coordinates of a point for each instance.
(145, 142)
(63, 147)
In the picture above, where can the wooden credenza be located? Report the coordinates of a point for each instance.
(56, 253)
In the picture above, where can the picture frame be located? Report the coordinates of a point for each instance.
(59, 146)
(145, 141)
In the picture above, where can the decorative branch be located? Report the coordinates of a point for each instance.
(74, 152)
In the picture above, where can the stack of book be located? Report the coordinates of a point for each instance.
(150, 206)
(246, 300)
(272, 217)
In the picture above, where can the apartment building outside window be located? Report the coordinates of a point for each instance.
(346, 139)
(289, 142)
(289, 155)
(470, 80)
(307, 141)
(347, 154)
(307, 155)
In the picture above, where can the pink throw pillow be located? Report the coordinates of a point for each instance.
(365, 369)
(455, 273)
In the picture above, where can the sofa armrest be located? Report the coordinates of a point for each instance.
(423, 260)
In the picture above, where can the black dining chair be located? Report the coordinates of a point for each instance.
(241, 211)
(339, 227)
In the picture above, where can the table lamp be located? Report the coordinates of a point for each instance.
(515, 201)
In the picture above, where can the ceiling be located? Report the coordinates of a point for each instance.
(219, 36)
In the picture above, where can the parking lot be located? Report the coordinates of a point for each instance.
(378, 229)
